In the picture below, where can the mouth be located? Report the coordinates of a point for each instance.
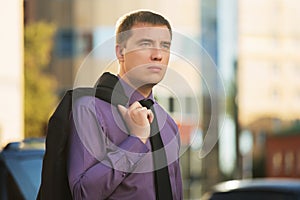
(155, 68)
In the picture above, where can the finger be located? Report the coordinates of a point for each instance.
(134, 106)
(139, 115)
(150, 116)
(138, 110)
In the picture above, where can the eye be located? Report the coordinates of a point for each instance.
(145, 44)
(166, 46)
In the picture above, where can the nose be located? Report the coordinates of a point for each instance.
(156, 54)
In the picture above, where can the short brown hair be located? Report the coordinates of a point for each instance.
(125, 23)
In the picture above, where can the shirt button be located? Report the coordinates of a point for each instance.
(123, 174)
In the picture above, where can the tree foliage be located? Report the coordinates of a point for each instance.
(40, 86)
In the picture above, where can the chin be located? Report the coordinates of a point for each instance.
(149, 80)
(154, 81)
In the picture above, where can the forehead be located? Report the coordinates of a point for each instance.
(150, 31)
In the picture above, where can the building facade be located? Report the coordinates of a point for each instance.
(11, 73)
(283, 155)
(268, 61)
(268, 67)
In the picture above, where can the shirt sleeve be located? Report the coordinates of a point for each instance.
(95, 169)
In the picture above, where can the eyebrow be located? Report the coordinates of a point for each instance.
(150, 40)
(144, 40)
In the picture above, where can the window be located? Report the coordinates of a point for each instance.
(288, 163)
(171, 104)
(275, 70)
(276, 163)
(298, 163)
(65, 43)
(69, 43)
(275, 94)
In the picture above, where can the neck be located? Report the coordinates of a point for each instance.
(144, 90)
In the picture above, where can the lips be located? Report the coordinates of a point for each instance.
(155, 68)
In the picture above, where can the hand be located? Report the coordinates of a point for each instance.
(137, 119)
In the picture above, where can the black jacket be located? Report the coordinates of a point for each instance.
(54, 182)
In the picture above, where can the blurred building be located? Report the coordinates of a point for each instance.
(268, 61)
(268, 68)
(84, 25)
(11, 73)
(283, 154)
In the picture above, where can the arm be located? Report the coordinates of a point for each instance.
(95, 170)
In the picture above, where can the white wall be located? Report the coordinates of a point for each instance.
(11, 71)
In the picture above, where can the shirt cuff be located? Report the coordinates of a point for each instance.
(134, 145)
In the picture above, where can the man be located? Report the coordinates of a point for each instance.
(112, 150)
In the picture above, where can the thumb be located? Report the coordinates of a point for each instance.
(122, 110)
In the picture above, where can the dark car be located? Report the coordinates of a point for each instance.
(255, 189)
(20, 169)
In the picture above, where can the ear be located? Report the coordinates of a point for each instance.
(120, 52)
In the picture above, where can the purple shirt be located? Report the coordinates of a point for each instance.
(105, 162)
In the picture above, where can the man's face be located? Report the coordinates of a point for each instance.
(146, 55)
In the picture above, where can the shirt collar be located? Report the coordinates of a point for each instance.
(132, 94)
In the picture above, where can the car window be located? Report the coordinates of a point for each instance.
(23, 171)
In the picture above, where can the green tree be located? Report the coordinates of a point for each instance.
(40, 85)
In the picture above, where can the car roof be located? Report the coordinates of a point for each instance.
(269, 184)
(24, 161)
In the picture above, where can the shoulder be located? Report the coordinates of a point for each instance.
(87, 106)
(89, 102)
